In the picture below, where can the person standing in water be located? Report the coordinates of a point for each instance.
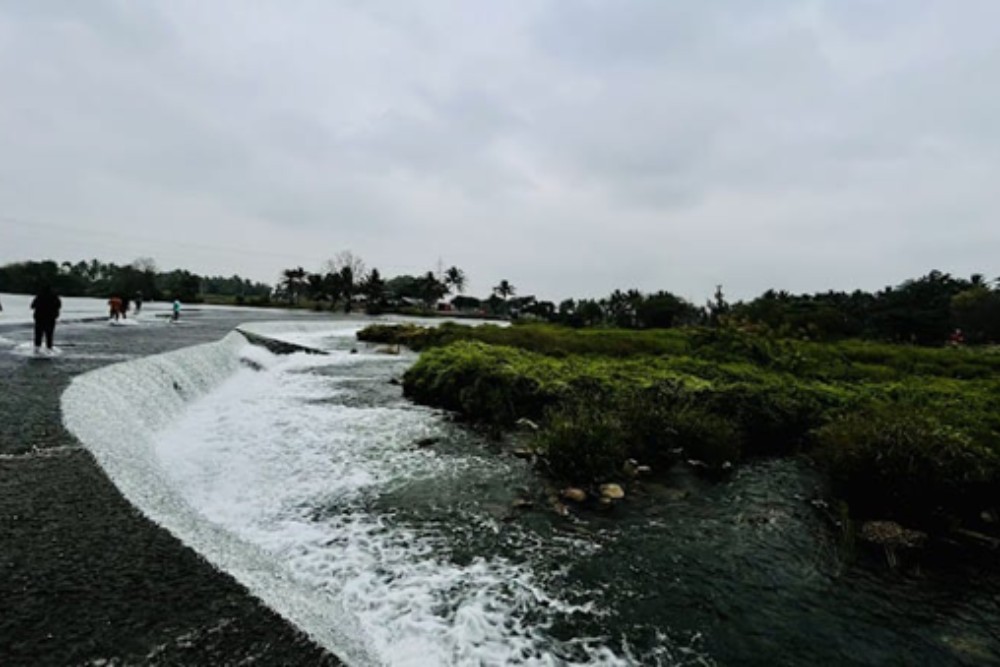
(116, 307)
(138, 302)
(46, 306)
(177, 310)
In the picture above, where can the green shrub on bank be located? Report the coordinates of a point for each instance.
(906, 432)
(898, 461)
(545, 339)
(588, 436)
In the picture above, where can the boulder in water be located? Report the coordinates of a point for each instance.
(523, 453)
(612, 491)
(427, 442)
(574, 494)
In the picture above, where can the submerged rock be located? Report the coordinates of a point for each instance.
(891, 534)
(605, 503)
(522, 504)
(523, 453)
(574, 494)
(427, 442)
(526, 424)
(560, 509)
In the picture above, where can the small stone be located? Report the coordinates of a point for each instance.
(560, 509)
(891, 534)
(523, 453)
(643, 470)
(522, 504)
(988, 516)
(612, 491)
(604, 503)
(427, 442)
(395, 381)
(354, 350)
(526, 424)
(574, 494)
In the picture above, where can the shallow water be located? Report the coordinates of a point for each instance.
(312, 459)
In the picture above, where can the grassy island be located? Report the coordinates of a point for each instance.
(904, 432)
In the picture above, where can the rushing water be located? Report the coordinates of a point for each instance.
(417, 557)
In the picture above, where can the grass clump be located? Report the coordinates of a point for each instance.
(901, 462)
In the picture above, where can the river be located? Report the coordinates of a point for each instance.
(304, 470)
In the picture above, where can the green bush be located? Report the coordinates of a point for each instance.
(582, 444)
(668, 420)
(894, 461)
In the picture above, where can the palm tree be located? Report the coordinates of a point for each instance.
(454, 278)
(504, 290)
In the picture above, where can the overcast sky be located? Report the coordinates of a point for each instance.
(570, 147)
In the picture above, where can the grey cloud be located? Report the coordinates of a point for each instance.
(571, 148)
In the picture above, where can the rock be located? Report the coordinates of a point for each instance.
(891, 534)
(630, 468)
(574, 494)
(643, 470)
(989, 516)
(387, 349)
(523, 453)
(612, 491)
(354, 350)
(522, 504)
(560, 509)
(604, 503)
(395, 381)
(526, 424)
(427, 442)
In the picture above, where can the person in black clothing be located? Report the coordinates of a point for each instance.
(46, 306)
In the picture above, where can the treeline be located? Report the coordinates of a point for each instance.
(100, 279)
(345, 283)
(927, 310)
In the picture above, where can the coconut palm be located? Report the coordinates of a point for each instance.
(454, 278)
(504, 290)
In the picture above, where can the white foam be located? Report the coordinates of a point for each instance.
(30, 351)
(261, 454)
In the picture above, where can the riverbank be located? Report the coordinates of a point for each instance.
(85, 578)
(904, 434)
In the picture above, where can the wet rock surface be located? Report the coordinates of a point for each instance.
(86, 579)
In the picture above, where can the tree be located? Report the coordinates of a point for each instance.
(373, 287)
(293, 282)
(717, 308)
(504, 290)
(432, 289)
(454, 279)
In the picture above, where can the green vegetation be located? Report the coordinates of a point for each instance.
(100, 279)
(904, 431)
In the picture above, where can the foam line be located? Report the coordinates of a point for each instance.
(115, 410)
